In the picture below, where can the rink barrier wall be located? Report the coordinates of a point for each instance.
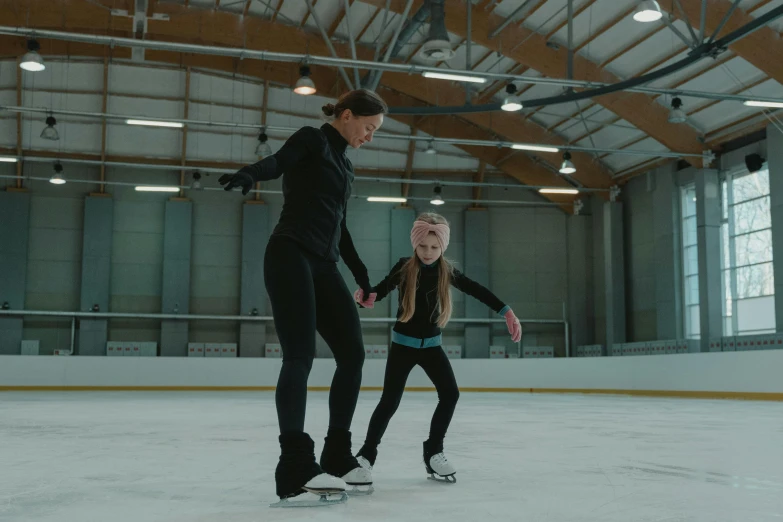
(725, 375)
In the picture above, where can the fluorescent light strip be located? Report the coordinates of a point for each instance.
(522, 146)
(156, 188)
(7, 160)
(455, 77)
(558, 191)
(376, 199)
(751, 103)
(155, 123)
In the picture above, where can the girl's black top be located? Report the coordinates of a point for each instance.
(423, 324)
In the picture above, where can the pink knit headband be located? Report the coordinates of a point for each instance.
(422, 228)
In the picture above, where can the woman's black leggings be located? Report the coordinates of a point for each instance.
(401, 361)
(308, 295)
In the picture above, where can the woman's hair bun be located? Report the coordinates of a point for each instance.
(328, 109)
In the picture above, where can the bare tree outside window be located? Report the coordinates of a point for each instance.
(746, 233)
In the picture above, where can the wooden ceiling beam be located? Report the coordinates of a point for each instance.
(277, 11)
(637, 108)
(307, 14)
(631, 46)
(367, 25)
(338, 19)
(762, 48)
(564, 23)
(520, 167)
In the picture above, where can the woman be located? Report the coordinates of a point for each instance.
(308, 294)
(424, 281)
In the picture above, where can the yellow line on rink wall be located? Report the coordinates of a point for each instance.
(752, 396)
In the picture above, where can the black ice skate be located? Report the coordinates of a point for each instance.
(337, 460)
(438, 467)
(300, 481)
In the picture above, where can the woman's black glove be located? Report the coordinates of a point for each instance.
(242, 178)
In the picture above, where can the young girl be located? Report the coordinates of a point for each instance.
(424, 281)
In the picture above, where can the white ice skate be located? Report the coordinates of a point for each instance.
(440, 469)
(359, 480)
(363, 462)
(322, 490)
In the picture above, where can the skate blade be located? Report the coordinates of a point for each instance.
(360, 490)
(448, 479)
(328, 497)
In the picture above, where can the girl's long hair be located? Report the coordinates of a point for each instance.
(410, 278)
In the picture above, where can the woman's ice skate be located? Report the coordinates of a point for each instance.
(337, 459)
(323, 490)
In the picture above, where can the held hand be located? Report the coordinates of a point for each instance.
(358, 296)
(239, 179)
(514, 328)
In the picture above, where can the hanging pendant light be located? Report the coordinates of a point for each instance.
(49, 132)
(677, 115)
(57, 178)
(32, 61)
(263, 149)
(647, 11)
(567, 167)
(304, 85)
(511, 103)
(437, 199)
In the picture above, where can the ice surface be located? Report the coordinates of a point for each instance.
(210, 457)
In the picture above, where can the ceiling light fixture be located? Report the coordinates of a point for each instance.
(455, 77)
(49, 132)
(263, 149)
(304, 85)
(153, 123)
(537, 148)
(558, 191)
(156, 188)
(57, 178)
(379, 199)
(437, 199)
(567, 167)
(647, 11)
(32, 61)
(510, 103)
(753, 103)
(677, 115)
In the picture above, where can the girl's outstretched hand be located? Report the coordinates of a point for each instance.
(514, 328)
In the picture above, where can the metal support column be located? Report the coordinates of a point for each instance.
(708, 217)
(477, 337)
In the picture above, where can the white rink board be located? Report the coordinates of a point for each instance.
(753, 372)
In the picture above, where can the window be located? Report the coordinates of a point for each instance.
(690, 260)
(746, 234)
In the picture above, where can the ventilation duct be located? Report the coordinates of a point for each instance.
(410, 29)
(437, 46)
(372, 78)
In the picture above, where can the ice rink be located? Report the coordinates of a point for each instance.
(210, 457)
